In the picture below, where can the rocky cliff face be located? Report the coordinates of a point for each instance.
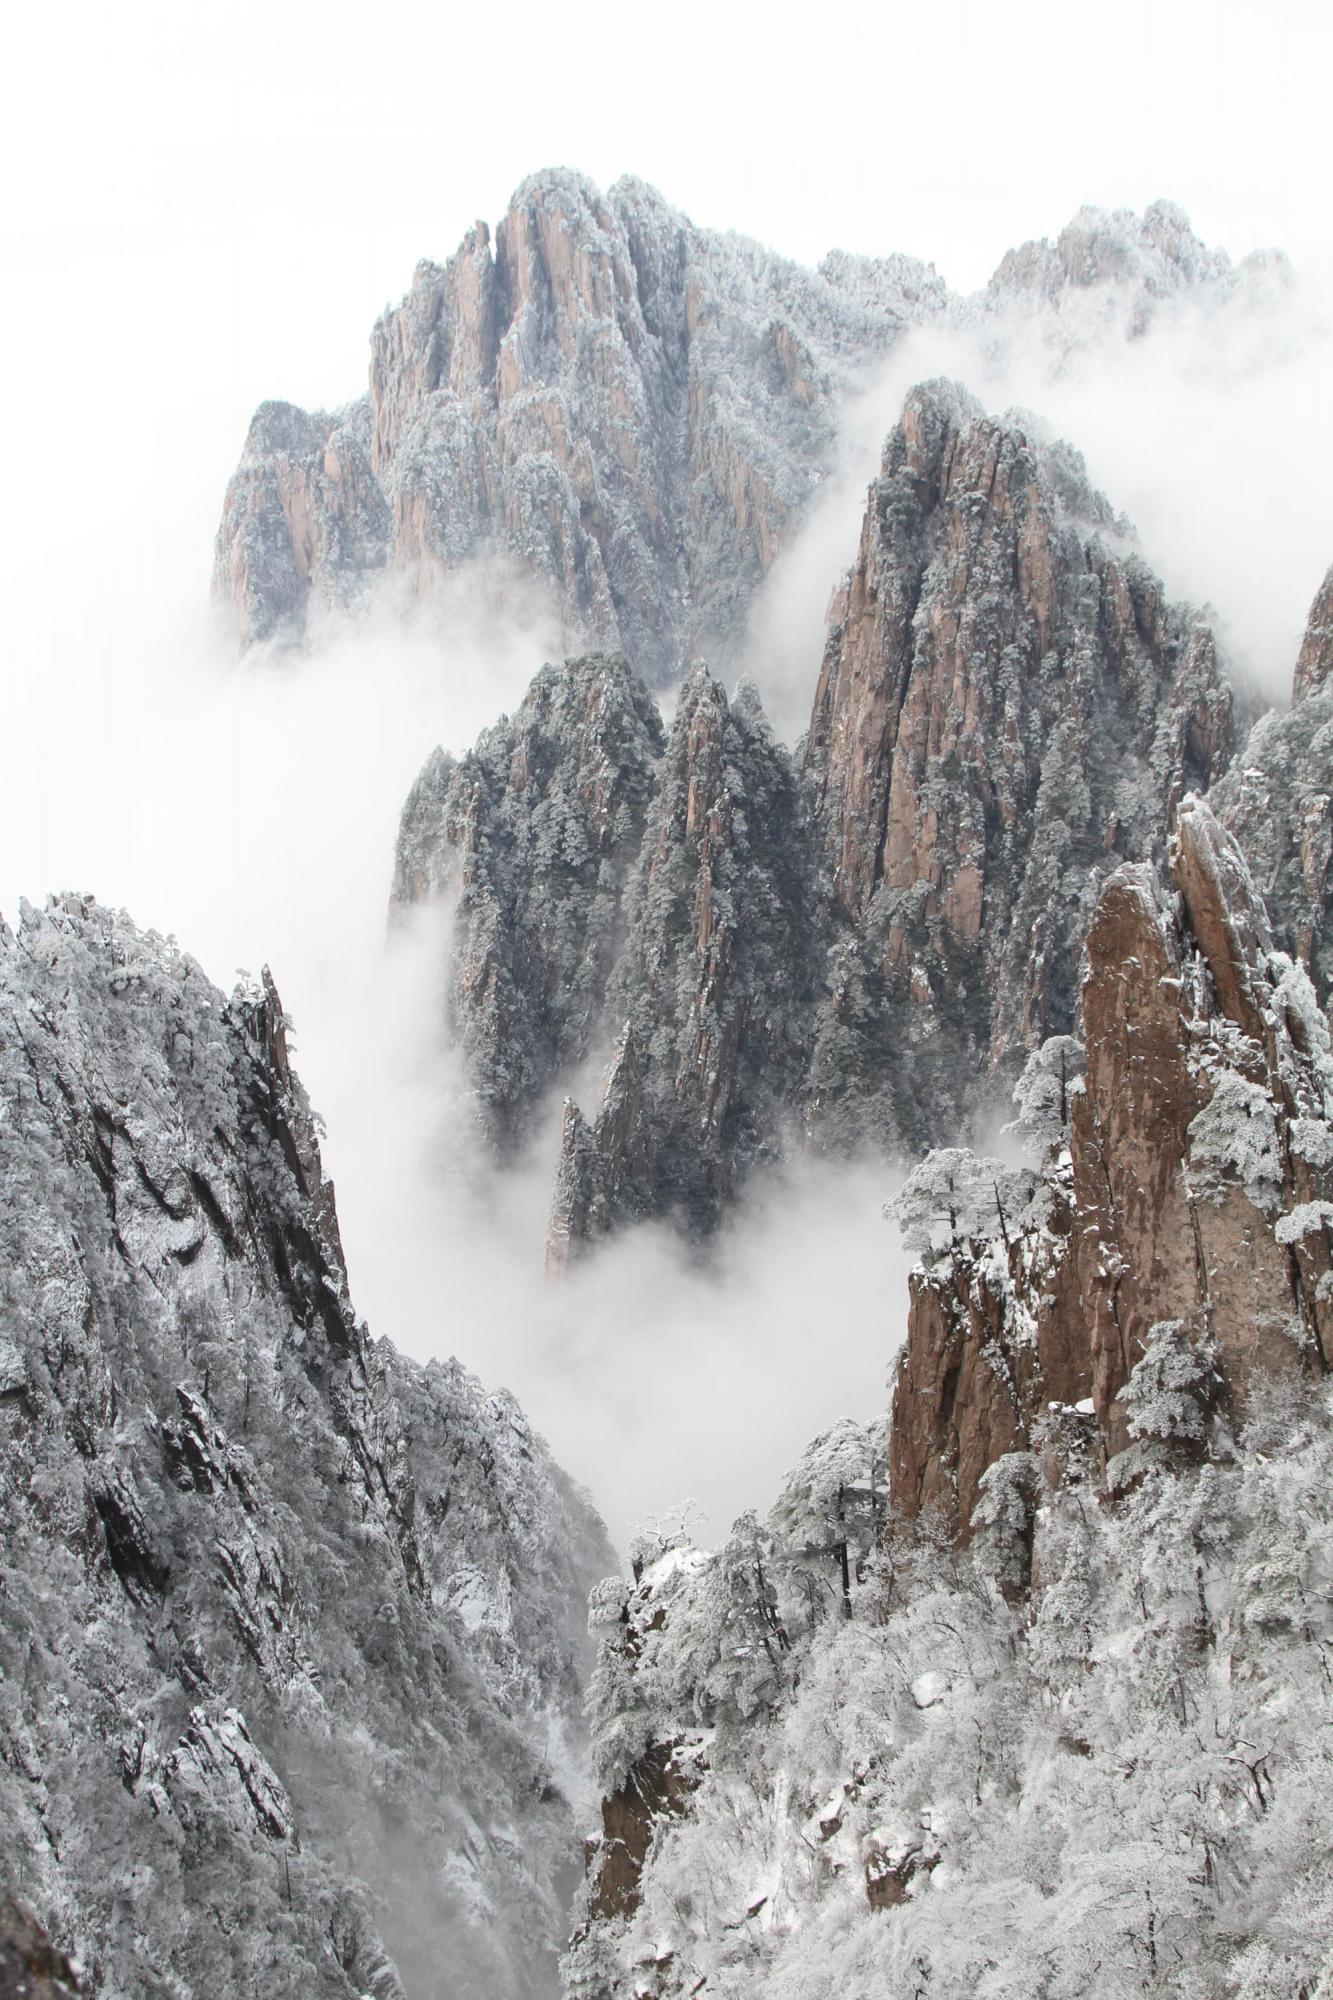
(1193, 1195)
(290, 1650)
(304, 516)
(1314, 663)
(1007, 708)
(533, 838)
(633, 409)
(935, 1746)
(625, 894)
(861, 950)
(712, 990)
(1278, 801)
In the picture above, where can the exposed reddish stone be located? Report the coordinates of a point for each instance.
(1178, 993)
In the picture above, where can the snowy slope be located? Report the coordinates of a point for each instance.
(291, 1652)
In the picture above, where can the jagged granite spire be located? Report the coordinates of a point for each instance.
(1194, 1190)
(714, 985)
(1007, 708)
(632, 409)
(630, 412)
(534, 836)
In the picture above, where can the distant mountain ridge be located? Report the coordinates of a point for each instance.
(629, 413)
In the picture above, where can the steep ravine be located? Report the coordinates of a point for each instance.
(292, 1640)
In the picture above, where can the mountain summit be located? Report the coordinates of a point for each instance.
(604, 403)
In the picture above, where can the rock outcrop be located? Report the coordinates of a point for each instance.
(1008, 708)
(1109, 273)
(1278, 801)
(860, 950)
(533, 838)
(291, 1646)
(634, 410)
(30, 1967)
(632, 413)
(1314, 663)
(1192, 1195)
(712, 990)
(304, 513)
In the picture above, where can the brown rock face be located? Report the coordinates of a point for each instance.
(632, 410)
(1006, 710)
(980, 1366)
(303, 514)
(658, 1786)
(1199, 1156)
(1178, 1222)
(30, 1967)
(1314, 663)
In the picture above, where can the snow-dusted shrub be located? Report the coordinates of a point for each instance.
(1307, 1219)
(1312, 1140)
(828, 1514)
(1234, 1143)
(1172, 1386)
(956, 1197)
(1045, 1091)
(1003, 1518)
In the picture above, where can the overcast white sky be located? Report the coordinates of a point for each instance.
(235, 191)
(205, 206)
(202, 207)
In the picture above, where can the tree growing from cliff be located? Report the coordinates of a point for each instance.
(1004, 1518)
(957, 1198)
(832, 1505)
(1045, 1092)
(1172, 1388)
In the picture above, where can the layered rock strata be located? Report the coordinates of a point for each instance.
(291, 1646)
(1193, 1191)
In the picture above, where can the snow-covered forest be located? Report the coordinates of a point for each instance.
(1088, 1754)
